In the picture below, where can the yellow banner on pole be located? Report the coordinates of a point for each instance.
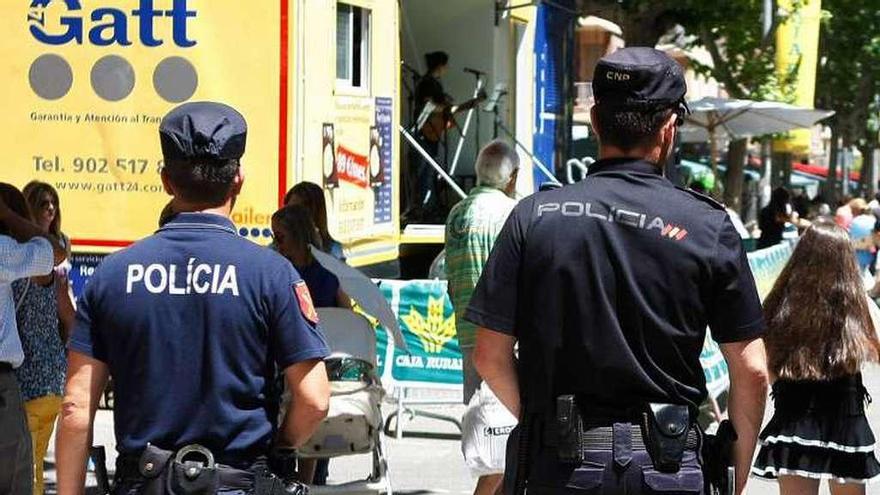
(797, 47)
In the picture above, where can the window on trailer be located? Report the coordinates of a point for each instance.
(352, 46)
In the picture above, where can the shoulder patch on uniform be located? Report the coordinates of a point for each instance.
(702, 197)
(306, 305)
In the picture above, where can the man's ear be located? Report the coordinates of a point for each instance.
(237, 183)
(593, 125)
(669, 128)
(510, 188)
(166, 184)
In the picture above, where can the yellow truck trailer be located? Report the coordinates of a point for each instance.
(86, 83)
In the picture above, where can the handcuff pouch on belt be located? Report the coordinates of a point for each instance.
(665, 430)
(179, 475)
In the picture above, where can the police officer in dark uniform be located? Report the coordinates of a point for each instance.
(193, 324)
(608, 286)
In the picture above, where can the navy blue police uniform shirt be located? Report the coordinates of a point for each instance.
(609, 285)
(192, 322)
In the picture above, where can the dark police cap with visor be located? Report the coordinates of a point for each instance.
(203, 131)
(640, 77)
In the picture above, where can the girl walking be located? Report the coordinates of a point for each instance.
(819, 337)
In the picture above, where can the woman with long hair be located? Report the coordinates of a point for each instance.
(46, 209)
(819, 337)
(311, 196)
(294, 233)
(38, 313)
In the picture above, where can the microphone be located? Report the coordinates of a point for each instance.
(474, 71)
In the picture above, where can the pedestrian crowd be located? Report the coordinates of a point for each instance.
(582, 310)
(787, 215)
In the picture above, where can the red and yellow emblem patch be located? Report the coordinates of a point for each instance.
(306, 305)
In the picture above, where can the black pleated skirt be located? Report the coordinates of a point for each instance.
(819, 430)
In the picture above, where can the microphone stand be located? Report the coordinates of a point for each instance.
(499, 125)
(496, 110)
(479, 83)
(467, 122)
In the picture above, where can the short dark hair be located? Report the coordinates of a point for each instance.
(203, 181)
(436, 59)
(779, 198)
(16, 202)
(629, 127)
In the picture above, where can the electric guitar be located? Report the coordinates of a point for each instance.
(436, 119)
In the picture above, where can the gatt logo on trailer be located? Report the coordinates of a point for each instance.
(107, 26)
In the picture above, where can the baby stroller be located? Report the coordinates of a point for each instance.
(354, 422)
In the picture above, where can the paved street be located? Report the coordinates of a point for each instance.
(428, 459)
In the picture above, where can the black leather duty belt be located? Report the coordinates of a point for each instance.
(229, 478)
(602, 438)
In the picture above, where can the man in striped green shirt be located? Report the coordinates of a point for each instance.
(471, 229)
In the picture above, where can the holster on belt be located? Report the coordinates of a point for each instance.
(569, 430)
(665, 429)
(280, 479)
(718, 459)
(269, 484)
(516, 463)
(98, 455)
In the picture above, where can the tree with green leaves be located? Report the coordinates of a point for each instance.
(848, 82)
(743, 61)
(743, 55)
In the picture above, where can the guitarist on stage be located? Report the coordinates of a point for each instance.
(429, 89)
(432, 115)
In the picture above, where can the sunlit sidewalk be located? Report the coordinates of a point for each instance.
(428, 459)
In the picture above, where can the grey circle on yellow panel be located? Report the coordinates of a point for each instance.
(50, 76)
(113, 78)
(175, 79)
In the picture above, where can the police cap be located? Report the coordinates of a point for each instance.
(639, 77)
(203, 130)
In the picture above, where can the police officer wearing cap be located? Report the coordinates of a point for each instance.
(608, 286)
(193, 324)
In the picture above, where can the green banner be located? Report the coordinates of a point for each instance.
(766, 265)
(424, 312)
(427, 321)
